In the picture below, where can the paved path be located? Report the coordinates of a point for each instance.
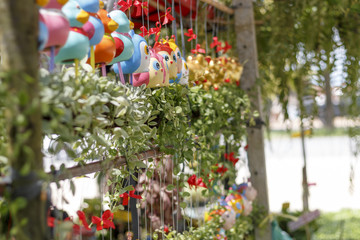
(329, 161)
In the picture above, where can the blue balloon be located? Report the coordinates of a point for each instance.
(43, 35)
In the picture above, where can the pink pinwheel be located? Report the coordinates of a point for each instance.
(197, 49)
(231, 158)
(168, 17)
(190, 34)
(144, 31)
(141, 5)
(105, 222)
(124, 5)
(156, 30)
(215, 42)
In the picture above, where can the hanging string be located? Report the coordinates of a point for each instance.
(191, 24)
(228, 27)
(165, 1)
(129, 204)
(172, 192)
(52, 59)
(177, 196)
(101, 200)
(161, 205)
(205, 26)
(182, 32)
(196, 21)
(147, 183)
(151, 200)
(174, 30)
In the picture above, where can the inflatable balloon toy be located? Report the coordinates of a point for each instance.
(170, 58)
(42, 3)
(93, 27)
(123, 41)
(58, 27)
(178, 56)
(139, 61)
(156, 76)
(77, 45)
(55, 4)
(184, 79)
(43, 33)
(228, 219)
(106, 49)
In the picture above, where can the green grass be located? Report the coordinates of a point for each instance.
(344, 225)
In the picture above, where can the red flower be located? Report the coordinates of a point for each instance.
(190, 34)
(246, 147)
(105, 221)
(166, 229)
(193, 182)
(83, 222)
(221, 169)
(127, 196)
(50, 221)
(231, 158)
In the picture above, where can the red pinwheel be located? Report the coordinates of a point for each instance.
(219, 48)
(105, 222)
(221, 169)
(141, 5)
(190, 34)
(144, 31)
(193, 182)
(124, 5)
(156, 30)
(127, 196)
(227, 47)
(231, 158)
(197, 49)
(168, 17)
(215, 42)
(83, 222)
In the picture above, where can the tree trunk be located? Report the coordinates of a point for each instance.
(246, 45)
(329, 107)
(19, 63)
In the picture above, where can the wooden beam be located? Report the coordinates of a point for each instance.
(220, 6)
(97, 166)
(247, 52)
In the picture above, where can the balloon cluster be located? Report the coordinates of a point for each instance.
(214, 72)
(74, 30)
(237, 202)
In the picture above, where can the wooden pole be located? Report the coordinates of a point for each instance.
(19, 64)
(246, 45)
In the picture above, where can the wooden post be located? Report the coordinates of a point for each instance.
(20, 65)
(246, 45)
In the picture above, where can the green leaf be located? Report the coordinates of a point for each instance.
(170, 187)
(183, 205)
